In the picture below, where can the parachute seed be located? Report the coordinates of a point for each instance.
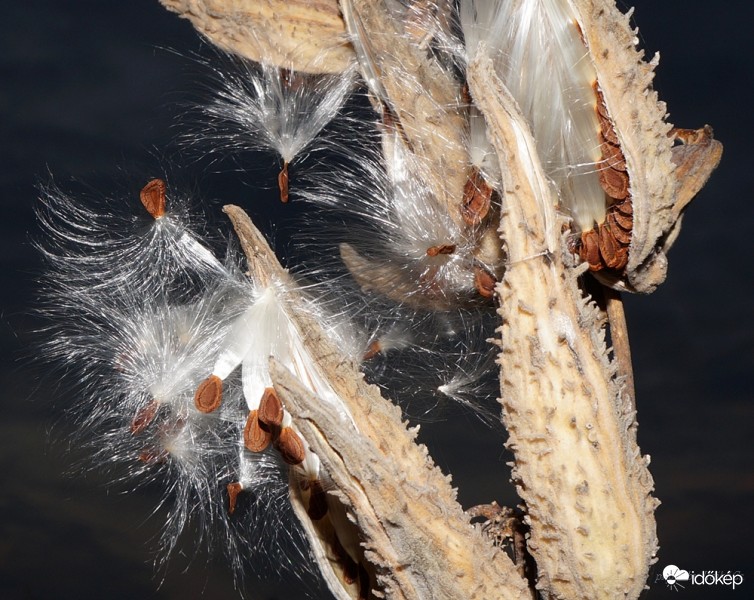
(373, 349)
(255, 438)
(484, 281)
(143, 417)
(291, 446)
(152, 197)
(283, 183)
(233, 490)
(441, 249)
(270, 409)
(209, 394)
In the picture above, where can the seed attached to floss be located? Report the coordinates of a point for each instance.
(283, 183)
(484, 282)
(477, 195)
(152, 196)
(233, 490)
(143, 417)
(270, 410)
(441, 249)
(255, 438)
(291, 446)
(373, 349)
(209, 394)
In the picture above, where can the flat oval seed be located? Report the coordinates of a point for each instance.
(614, 182)
(291, 446)
(152, 196)
(484, 282)
(283, 183)
(209, 394)
(144, 417)
(476, 200)
(270, 409)
(255, 438)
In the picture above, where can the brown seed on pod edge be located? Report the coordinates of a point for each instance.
(270, 410)
(484, 282)
(441, 249)
(209, 394)
(255, 438)
(152, 196)
(477, 194)
(143, 417)
(291, 446)
(233, 490)
(614, 182)
(614, 254)
(589, 249)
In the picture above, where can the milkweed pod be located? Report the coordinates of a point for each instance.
(662, 178)
(309, 36)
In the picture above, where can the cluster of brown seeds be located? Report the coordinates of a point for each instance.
(606, 245)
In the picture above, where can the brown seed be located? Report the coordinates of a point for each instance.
(621, 234)
(283, 183)
(317, 501)
(484, 281)
(623, 220)
(209, 394)
(144, 417)
(612, 155)
(233, 490)
(614, 255)
(441, 249)
(270, 409)
(152, 197)
(477, 195)
(590, 250)
(607, 129)
(615, 183)
(373, 349)
(291, 446)
(255, 438)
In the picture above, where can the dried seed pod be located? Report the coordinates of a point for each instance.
(233, 490)
(634, 120)
(291, 446)
(144, 417)
(209, 394)
(152, 196)
(270, 410)
(308, 36)
(255, 437)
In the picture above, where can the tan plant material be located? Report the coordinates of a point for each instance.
(571, 425)
(304, 35)
(389, 505)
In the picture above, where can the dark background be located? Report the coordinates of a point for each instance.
(88, 90)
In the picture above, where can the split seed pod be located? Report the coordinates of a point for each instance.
(641, 163)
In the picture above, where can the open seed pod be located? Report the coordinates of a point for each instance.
(305, 35)
(648, 181)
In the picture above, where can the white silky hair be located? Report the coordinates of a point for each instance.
(259, 106)
(139, 310)
(539, 55)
